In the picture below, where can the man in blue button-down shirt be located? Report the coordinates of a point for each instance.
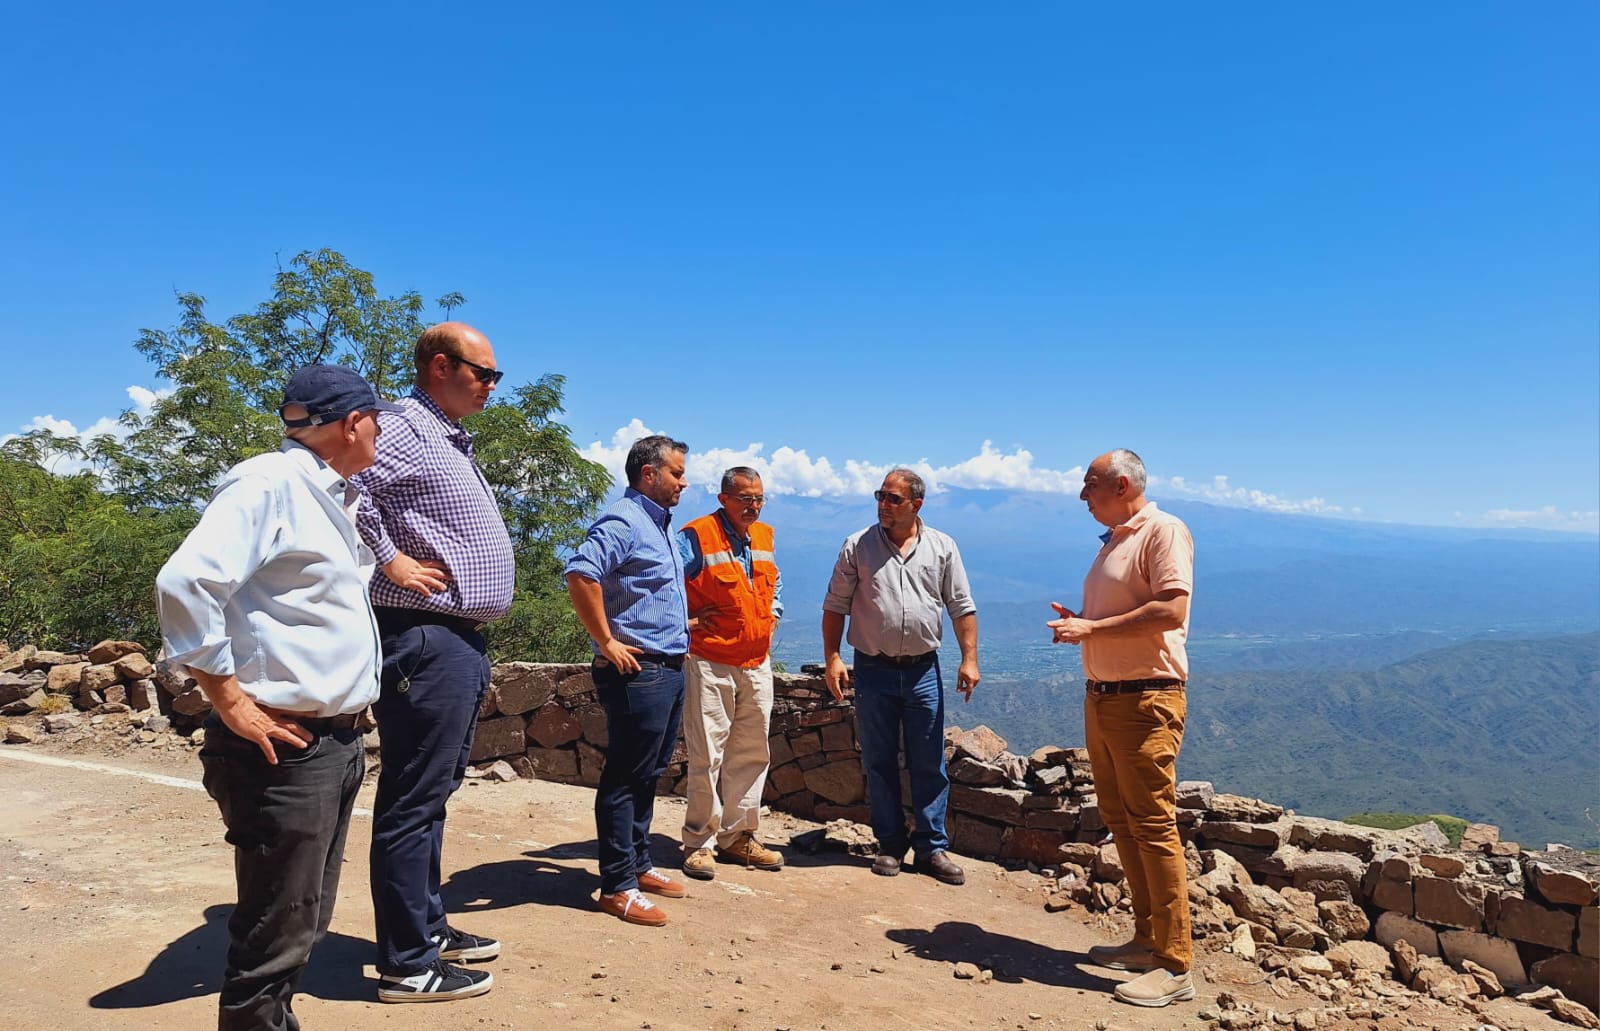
(626, 585)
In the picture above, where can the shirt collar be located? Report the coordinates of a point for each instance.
(326, 478)
(425, 399)
(659, 515)
(1133, 524)
(734, 533)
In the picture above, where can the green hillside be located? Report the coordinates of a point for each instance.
(1504, 732)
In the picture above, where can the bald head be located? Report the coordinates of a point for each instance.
(1113, 487)
(452, 339)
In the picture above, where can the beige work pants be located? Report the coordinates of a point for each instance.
(726, 712)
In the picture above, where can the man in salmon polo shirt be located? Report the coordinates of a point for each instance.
(1133, 626)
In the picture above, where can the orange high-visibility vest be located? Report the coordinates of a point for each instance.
(739, 632)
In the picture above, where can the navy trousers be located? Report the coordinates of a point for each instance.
(895, 703)
(287, 825)
(644, 712)
(434, 679)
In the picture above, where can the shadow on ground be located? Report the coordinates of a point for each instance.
(191, 966)
(1010, 959)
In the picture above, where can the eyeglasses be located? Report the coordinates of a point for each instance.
(483, 373)
(889, 496)
(752, 500)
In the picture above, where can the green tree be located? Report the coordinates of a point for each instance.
(81, 551)
(76, 564)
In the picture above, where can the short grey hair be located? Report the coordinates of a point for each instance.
(1123, 462)
(738, 472)
(914, 485)
(651, 450)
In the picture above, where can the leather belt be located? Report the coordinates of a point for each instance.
(1133, 686)
(659, 659)
(422, 617)
(897, 660)
(317, 724)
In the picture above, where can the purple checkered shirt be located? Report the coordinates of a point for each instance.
(426, 497)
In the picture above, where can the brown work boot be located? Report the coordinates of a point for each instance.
(747, 850)
(941, 867)
(700, 864)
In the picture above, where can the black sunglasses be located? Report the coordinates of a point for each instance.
(890, 496)
(483, 373)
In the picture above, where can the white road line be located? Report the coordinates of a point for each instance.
(117, 771)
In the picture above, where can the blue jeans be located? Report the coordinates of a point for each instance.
(287, 826)
(892, 700)
(644, 712)
(434, 679)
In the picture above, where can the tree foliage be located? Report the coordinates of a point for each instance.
(76, 564)
(79, 552)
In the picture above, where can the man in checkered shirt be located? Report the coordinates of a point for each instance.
(446, 569)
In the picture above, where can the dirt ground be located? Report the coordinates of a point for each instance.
(117, 886)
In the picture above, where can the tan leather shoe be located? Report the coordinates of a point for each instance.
(634, 907)
(659, 882)
(746, 850)
(1157, 987)
(700, 864)
(1129, 955)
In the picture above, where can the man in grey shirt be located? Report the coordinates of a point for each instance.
(893, 580)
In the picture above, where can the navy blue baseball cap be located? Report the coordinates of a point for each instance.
(329, 393)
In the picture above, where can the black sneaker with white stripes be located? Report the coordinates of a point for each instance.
(457, 945)
(439, 983)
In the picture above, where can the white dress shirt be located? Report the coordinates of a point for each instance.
(271, 587)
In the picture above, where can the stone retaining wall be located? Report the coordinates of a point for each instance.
(1297, 888)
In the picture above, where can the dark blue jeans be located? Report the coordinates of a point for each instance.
(894, 701)
(287, 825)
(434, 678)
(644, 712)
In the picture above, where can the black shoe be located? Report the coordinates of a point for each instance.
(438, 983)
(941, 867)
(886, 866)
(459, 945)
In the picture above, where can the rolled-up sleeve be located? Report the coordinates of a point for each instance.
(957, 592)
(235, 536)
(842, 585)
(606, 546)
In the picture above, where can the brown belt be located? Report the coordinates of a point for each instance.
(1133, 686)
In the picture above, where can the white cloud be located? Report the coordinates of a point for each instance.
(1547, 518)
(1220, 491)
(790, 471)
(143, 399)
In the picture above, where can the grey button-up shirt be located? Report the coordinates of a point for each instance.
(894, 600)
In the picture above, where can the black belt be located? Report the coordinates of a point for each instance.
(1132, 686)
(658, 659)
(897, 660)
(323, 724)
(422, 617)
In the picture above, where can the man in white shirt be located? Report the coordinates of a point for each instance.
(266, 604)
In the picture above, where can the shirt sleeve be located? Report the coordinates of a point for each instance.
(398, 459)
(957, 592)
(608, 544)
(1169, 556)
(237, 534)
(689, 553)
(842, 585)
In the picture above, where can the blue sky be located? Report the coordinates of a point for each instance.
(1345, 257)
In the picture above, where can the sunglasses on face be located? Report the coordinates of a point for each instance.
(889, 497)
(482, 373)
(751, 500)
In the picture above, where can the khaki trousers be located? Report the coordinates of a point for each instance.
(726, 713)
(1133, 751)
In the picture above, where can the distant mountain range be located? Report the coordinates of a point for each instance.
(1338, 666)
